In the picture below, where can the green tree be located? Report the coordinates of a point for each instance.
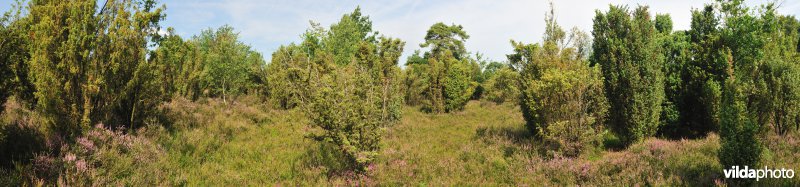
(762, 45)
(350, 104)
(287, 67)
(693, 70)
(416, 79)
(761, 86)
(212, 64)
(225, 63)
(781, 71)
(228, 66)
(702, 77)
(492, 68)
(91, 68)
(502, 86)
(663, 23)
(344, 36)
(561, 99)
(353, 103)
(290, 67)
(442, 38)
(14, 78)
(675, 48)
(388, 53)
(625, 49)
(6, 72)
(457, 84)
(121, 89)
(63, 32)
(172, 58)
(450, 71)
(739, 141)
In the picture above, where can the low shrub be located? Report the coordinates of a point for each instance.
(110, 157)
(502, 86)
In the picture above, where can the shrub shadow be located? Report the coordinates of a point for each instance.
(518, 136)
(328, 159)
(19, 142)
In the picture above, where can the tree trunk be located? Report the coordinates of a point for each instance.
(223, 92)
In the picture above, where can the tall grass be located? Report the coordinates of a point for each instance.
(209, 143)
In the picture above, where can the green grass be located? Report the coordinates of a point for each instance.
(485, 144)
(209, 143)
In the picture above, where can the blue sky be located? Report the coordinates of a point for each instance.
(266, 25)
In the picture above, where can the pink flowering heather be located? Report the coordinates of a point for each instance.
(69, 157)
(86, 144)
(81, 165)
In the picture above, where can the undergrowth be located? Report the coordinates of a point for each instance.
(208, 142)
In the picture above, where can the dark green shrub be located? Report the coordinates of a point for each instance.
(415, 84)
(625, 48)
(740, 145)
(458, 86)
(286, 68)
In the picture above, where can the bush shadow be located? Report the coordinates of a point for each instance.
(327, 159)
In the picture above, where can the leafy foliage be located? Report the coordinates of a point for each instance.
(89, 68)
(350, 103)
(344, 37)
(781, 72)
(663, 23)
(739, 141)
(228, 62)
(503, 86)
(13, 53)
(288, 66)
(212, 64)
(178, 65)
(625, 49)
(450, 71)
(696, 76)
(416, 80)
(561, 96)
(66, 66)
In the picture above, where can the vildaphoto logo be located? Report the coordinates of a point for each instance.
(746, 173)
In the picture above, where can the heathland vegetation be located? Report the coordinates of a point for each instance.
(98, 93)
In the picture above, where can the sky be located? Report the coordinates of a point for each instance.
(491, 24)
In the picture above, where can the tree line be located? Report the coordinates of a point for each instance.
(735, 72)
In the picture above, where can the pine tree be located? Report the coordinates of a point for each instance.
(450, 78)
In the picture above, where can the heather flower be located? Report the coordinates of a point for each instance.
(45, 166)
(400, 163)
(69, 157)
(585, 169)
(81, 165)
(86, 143)
(95, 134)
